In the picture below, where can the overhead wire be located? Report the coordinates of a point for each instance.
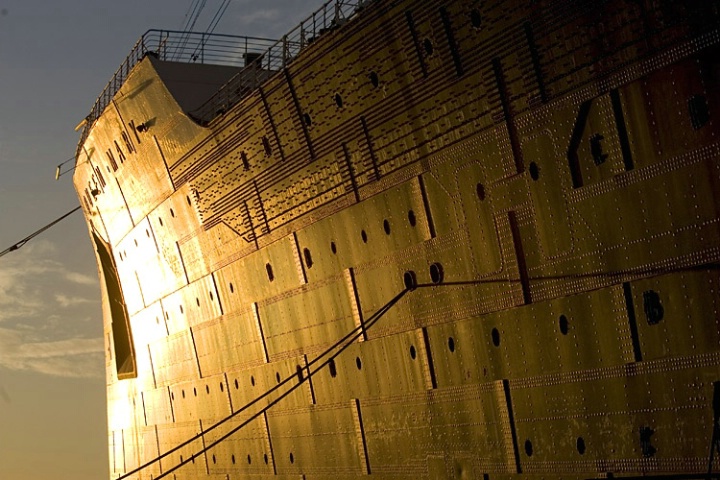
(189, 25)
(25, 240)
(218, 16)
(189, 13)
(343, 343)
(211, 26)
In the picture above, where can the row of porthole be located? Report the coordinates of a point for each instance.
(278, 378)
(373, 77)
(123, 255)
(579, 445)
(363, 235)
(195, 393)
(358, 362)
(249, 459)
(495, 334)
(172, 214)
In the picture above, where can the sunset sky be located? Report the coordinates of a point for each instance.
(55, 58)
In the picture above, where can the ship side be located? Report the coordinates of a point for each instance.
(437, 239)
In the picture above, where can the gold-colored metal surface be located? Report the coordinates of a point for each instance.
(541, 179)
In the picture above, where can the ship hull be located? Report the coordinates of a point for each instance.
(446, 240)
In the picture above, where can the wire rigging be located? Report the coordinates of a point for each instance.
(211, 26)
(189, 25)
(345, 341)
(218, 16)
(25, 240)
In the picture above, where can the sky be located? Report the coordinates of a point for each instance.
(55, 58)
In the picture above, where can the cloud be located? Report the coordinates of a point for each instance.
(80, 278)
(44, 310)
(255, 16)
(66, 301)
(27, 276)
(74, 357)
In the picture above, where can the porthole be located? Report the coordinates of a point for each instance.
(564, 325)
(413, 352)
(386, 227)
(528, 448)
(252, 380)
(181, 309)
(232, 458)
(147, 232)
(410, 280)
(333, 248)
(480, 190)
(136, 242)
(451, 344)
(332, 368)
(172, 213)
(307, 119)
(249, 459)
(265, 458)
(338, 100)
(299, 371)
(358, 363)
(580, 445)
(277, 377)
(195, 391)
(183, 393)
(534, 171)
(374, 79)
(214, 459)
(197, 300)
(237, 385)
(428, 47)
(172, 395)
(308, 257)
(211, 295)
(232, 288)
(364, 236)
(411, 218)
(475, 19)
(495, 337)
(188, 199)
(436, 273)
(269, 270)
(160, 220)
(207, 389)
(292, 458)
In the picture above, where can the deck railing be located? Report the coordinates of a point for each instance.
(261, 54)
(330, 16)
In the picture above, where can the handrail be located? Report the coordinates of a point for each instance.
(178, 46)
(264, 55)
(331, 15)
